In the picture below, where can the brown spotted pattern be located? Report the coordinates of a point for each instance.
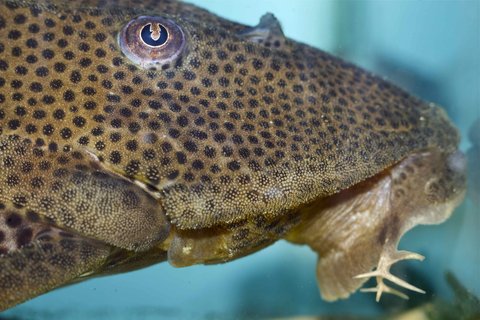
(18, 229)
(36, 257)
(108, 167)
(71, 190)
(233, 130)
(35, 268)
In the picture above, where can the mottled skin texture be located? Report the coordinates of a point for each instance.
(248, 138)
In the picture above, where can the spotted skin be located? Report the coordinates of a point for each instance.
(213, 156)
(33, 247)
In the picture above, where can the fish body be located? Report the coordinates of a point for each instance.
(134, 133)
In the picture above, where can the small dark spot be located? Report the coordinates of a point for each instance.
(32, 216)
(24, 237)
(13, 220)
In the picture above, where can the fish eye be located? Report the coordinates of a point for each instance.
(152, 42)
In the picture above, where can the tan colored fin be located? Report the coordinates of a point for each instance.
(359, 229)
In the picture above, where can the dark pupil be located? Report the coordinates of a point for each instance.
(148, 36)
